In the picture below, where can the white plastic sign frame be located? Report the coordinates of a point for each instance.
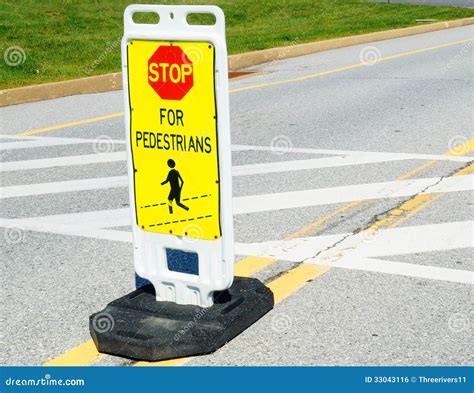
(216, 257)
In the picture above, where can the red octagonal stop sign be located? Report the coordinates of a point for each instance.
(170, 72)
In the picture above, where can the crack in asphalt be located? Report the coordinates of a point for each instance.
(377, 217)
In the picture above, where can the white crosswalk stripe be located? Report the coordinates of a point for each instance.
(63, 186)
(361, 251)
(324, 196)
(274, 201)
(342, 250)
(55, 162)
(35, 141)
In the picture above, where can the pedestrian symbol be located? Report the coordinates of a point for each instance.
(176, 183)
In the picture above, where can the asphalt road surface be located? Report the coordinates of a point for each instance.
(352, 200)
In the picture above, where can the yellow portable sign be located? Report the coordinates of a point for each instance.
(173, 137)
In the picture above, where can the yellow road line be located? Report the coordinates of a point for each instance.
(282, 287)
(400, 211)
(250, 265)
(321, 221)
(459, 150)
(71, 124)
(87, 354)
(82, 355)
(295, 279)
(465, 171)
(431, 198)
(462, 149)
(417, 169)
(414, 205)
(349, 67)
(265, 84)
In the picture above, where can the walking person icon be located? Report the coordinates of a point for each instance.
(176, 183)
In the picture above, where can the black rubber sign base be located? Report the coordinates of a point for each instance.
(136, 326)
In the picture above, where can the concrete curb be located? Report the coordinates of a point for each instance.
(92, 84)
(110, 82)
(263, 56)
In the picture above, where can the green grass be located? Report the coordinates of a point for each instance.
(66, 39)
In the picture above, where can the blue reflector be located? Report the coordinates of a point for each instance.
(182, 261)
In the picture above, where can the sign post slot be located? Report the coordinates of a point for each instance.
(179, 166)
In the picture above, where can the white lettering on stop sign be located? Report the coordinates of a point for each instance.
(175, 73)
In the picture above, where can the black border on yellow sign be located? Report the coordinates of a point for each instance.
(130, 136)
(216, 126)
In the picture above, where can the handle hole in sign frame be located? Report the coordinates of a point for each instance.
(201, 19)
(146, 18)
